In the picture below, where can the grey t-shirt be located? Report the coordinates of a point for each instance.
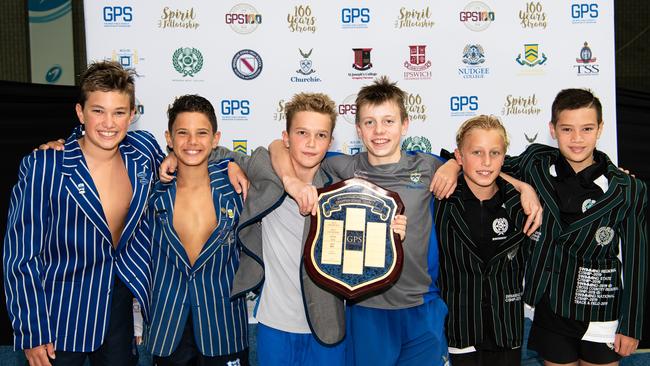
(410, 178)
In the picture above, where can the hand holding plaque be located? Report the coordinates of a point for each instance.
(351, 249)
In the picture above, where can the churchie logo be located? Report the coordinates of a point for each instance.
(414, 18)
(533, 16)
(178, 18)
(521, 105)
(301, 19)
(415, 108)
(306, 72)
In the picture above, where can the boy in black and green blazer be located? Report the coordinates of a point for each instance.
(482, 251)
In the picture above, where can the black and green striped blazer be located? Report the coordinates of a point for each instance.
(466, 281)
(578, 264)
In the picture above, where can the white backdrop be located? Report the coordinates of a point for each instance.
(506, 57)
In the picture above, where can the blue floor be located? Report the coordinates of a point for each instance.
(10, 358)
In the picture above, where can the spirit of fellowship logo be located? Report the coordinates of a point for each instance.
(414, 18)
(521, 105)
(178, 18)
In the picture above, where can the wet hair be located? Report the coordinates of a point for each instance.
(571, 99)
(191, 103)
(107, 76)
(310, 102)
(380, 91)
(482, 122)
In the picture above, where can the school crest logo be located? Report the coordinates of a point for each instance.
(247, 64)
(416, 143)
(240, 146)
(187, 61)
(473, 54)
(531, 56)
(585, 55)
(500, 225)
(362, 58)
(587, 204)
(305, 63)
(415, 177)
(532, 139)
(604, 235)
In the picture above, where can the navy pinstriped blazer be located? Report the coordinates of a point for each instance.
(203, 289)
(59, 261)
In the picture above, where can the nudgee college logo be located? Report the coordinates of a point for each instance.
(187, 61)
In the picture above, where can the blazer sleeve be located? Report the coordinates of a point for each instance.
(519, 166)
(634, 235)
(23, 243)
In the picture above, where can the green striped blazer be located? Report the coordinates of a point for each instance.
(467, 282)
(595, 268)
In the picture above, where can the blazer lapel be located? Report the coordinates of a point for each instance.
(225, 215)
(140, 175)
(163, 210)
(81, 188)
(606, 203)
(460, 227)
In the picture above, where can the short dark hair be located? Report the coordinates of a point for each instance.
(191, 103)
(570, 99)
(107, 76)
(380, 91)
(310, 102)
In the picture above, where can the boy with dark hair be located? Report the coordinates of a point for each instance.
(75, 250)
(404, 324)
(587, 279)
(193, 219)
(482, 252)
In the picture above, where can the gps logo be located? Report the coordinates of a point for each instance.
(355, 17)
(584, 13)
(235, 109)
(463, 105)
(118, 14)
(230, 107)
(348, 108)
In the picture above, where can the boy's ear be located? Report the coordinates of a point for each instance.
(168, 138)
(405, 126)
(80, 113)
(551, 128)
(458, 157)
(217, 137)
(285, 139)
(600, 129)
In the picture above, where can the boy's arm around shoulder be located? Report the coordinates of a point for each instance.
(146, 143)
(634, 243)
(518, 165)
(23, 243)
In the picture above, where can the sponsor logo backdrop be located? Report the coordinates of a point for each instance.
(454, 59)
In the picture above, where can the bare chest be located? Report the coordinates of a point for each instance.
(194, 219)
(115, 192)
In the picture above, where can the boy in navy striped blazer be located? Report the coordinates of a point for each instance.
(194, 320)
(75, 252)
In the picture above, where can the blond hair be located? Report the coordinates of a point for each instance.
(483, 122)
(311, 102)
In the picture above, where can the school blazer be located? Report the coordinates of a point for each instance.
(325, 311)
(467, 282)
(59, 262)
(203, 289)
(577, 265)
